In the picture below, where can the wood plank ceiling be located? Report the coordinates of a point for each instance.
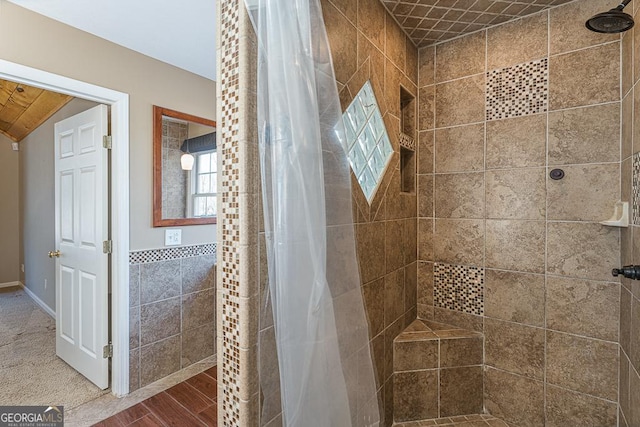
(431, 21)
(23, 108)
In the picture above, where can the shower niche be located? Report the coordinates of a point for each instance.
(407, 142)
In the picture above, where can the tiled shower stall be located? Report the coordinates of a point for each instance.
(469, 229)
(499, 110)
(629, 370)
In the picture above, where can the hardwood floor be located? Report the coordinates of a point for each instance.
(193, 403)
(190, 403)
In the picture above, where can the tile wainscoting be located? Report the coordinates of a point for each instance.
(172, 310)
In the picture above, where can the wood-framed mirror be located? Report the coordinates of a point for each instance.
(184, 169)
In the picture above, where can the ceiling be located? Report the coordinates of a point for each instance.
(431, 21)
(182, 34)
(23, 108)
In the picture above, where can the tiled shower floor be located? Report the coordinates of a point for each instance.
(483, 420)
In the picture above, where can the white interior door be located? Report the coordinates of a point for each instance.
(81, 218)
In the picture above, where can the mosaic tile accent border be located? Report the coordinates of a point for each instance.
(407, 142)
(459, 288)
(165, 254)
(231, 410)
(636, 189)
(518, 91)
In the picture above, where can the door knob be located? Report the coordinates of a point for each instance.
(53, 254)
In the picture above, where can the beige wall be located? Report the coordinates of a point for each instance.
(36, 41)
(37, 203)
(9, 215)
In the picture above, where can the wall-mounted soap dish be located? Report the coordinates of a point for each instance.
(620, 216)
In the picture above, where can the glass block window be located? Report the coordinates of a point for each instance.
(367, 143)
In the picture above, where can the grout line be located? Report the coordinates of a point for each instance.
(139, 358)
(470, 76)
(574, 221)
(615, 162)
(578, 107)
(484, 171)
(546, 231)
(469, 124)
(484, 246)
(547, 329)
(621, 174)
(555, 55)
(632, 369)
(552, 384)
(582, 107)
(620, 412)
(437, 369)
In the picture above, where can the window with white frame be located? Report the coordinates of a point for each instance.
(204, 185)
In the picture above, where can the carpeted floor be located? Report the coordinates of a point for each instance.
(30, 371)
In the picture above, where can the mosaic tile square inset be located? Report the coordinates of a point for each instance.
(518, 91)
(459, 288)
(636, 189)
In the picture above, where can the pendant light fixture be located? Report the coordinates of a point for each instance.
(187, 159)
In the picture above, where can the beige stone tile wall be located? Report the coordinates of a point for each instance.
(171, 316)
(367, 44)
(174, 179)
(554, 226)
(551, 307)
(629, 369)
(437, 372)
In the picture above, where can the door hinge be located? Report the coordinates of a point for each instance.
(107, 246)
(107, 351)
(107, 142)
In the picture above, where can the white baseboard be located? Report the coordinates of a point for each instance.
(38, 301)
(10, 284)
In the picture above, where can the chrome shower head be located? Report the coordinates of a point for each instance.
(613, 21)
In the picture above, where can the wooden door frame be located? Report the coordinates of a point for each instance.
(119, 103)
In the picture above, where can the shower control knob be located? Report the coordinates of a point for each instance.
(556, 174)
(628, 271)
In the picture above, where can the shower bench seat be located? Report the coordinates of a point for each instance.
(437, 371)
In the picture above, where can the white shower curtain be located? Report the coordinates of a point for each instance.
(326, 369)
